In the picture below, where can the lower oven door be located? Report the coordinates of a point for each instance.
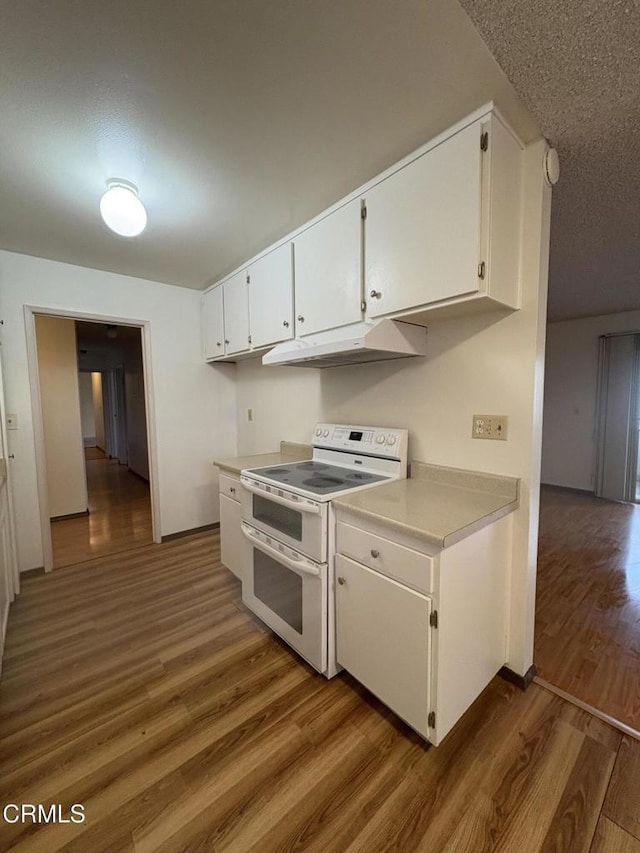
(288, 591)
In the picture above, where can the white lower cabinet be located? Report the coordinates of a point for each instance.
(230, 520)
(423, 629)
(384, 639)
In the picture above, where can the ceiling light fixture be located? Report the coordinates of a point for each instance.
(122, 210)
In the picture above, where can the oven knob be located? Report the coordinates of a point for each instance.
(379, 439)
(325, 433)
(318, 432)
(391, 439)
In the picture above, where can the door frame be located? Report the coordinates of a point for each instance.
(30, 312)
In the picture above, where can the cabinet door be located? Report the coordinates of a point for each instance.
(231, 535)
(236, 313)
(212, 324)
(383, 639)
(327, 260)
(5, 564)
(271, 297)
(422, 231)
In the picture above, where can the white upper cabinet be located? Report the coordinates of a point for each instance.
(212, 324)
(444, 229)
(328, 277)
(271, 297)
(236, 313)
(441, 234)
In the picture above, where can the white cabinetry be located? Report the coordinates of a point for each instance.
(328, 263)
(424, 630)
(212, 324)
(444, 229)
(271, 297)
(236, 313)
(384, 639)
(230, 519)
(440, 235)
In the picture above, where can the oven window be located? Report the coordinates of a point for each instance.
(279, 588)
(278, 517)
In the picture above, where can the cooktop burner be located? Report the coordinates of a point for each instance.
(320, 478)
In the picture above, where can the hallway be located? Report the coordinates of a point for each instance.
(119, 514)
(587, 639)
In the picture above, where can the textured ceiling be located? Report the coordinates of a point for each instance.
(238, 121)
(576, 64)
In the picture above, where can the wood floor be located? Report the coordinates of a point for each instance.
(587, 639)
(139, 687)
(119, 514)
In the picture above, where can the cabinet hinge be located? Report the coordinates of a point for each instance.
(363, 306)
(433, 619)
(484, 141)
(431, 720)
(249, 338)
(482, 269)
(248, 278)
(363, 209)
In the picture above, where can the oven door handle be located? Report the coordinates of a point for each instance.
(312, 509)
(289, 562)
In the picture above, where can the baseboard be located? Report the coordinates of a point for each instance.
(71, 515)
(139, 476)
(90, 442)
(181, 533)
(32, 573)
(521, 681)
(569, 489)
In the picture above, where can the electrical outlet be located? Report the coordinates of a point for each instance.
(249, 414)
(12, 422)
(493, 427)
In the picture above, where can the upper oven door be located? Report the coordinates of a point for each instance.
(296, 521)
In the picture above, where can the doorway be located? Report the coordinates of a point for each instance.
(587, 638)
(94, 436)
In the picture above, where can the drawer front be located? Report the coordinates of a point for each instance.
(230, 487)
(395, 561)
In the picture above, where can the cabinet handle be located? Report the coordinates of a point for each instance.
(300, 318)
(218, 344)
(232, 489)
(286, 324)
(375, 553)
(341, 581)
(375, 294)
(226, 341)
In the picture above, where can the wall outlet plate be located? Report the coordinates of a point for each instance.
(492, 427)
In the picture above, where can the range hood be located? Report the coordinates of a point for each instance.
(354, 344)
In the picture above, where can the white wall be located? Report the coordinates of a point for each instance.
(60, 400)
(490, 363)
(569, 437)
(137, 454)
(87, 413)
(98, 408)
(194, 405)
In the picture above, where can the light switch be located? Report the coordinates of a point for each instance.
(12, 422)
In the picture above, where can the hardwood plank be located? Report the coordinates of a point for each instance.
(119, 514)
(587, 641)
(622, 804)
(610, 838)
(185, 725)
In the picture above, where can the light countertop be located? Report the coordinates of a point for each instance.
(439, 505)
(290, 451)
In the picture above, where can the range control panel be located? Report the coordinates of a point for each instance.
(373, 441)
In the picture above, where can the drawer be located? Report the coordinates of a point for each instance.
(395, 561)
(230, 486)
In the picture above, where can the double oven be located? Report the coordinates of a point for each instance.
(288, 531)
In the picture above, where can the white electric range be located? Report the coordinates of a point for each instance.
(289, 536)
